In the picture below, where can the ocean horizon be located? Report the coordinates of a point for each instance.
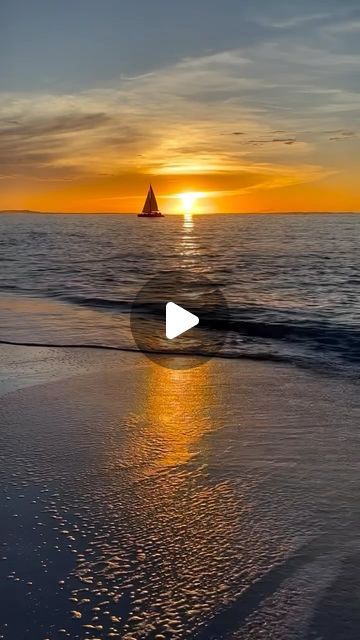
(178, 213)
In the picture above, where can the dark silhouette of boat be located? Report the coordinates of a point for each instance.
(150, 208)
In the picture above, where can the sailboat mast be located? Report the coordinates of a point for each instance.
(150, 208)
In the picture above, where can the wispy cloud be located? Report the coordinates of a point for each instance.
(300, 20)
(343, 27)
(343, 135)
(258, 113)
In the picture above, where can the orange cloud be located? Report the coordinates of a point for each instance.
(233, 125)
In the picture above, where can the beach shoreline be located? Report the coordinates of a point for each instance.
(143, 500)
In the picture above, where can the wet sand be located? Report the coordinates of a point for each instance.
(139, 502)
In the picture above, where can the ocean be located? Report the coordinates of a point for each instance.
(291, 281)
(218, 502)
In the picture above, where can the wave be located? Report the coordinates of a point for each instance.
(318, 366)
(255, 332)
(251, 322)
(97, 303)
(317, 335)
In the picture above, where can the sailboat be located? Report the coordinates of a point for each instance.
(150, 208)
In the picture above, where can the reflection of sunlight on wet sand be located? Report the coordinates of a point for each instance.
(176, 407)
(170, 412)
(172, 526)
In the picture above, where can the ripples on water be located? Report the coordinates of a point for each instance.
(292, 282)
(132, 516)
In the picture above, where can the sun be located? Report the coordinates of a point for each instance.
(188, 200)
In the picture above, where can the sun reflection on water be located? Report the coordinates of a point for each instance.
(188, 246)
(188, 221)
(176, 407)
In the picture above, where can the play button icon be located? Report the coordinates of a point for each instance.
(178, 320)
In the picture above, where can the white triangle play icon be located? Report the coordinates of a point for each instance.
(178, 320)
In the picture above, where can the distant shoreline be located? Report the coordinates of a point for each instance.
(118, 213)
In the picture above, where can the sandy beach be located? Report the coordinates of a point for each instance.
(140, 502)
(179, 320)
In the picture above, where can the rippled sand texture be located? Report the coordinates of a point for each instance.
(137, 502)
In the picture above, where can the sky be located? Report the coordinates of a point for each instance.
(253, 106)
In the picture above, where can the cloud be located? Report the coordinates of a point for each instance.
(288, 141)
(32, 146)
(343, 27)
(290, 22)
(343, 135)
(59, 125)
(172, 121)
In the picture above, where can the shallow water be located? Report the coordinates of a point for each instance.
(223, 506)
(291, 281)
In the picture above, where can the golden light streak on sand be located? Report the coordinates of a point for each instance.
(176, 406)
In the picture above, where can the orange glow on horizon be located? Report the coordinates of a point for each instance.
(217, 193)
